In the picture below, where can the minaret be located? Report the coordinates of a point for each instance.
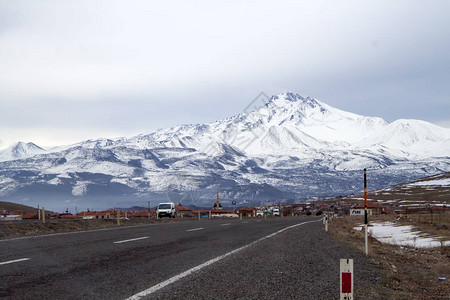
(217, 201)
(217, 205)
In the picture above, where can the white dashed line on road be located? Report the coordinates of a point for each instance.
(131, 240)
(226, 224)
(13, 261)
(195, 229)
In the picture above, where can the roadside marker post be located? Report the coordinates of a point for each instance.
(326, 222)
(43, 215)
(209, 215)
(198, 215)
(366, 240)
(366, 222)
(346, 279)
(118, 217)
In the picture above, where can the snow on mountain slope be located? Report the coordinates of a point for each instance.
(291, 147)
(414, 138)
(320, 120)
(290, 124)
(20, 150)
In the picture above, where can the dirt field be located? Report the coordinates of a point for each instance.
(412, 273)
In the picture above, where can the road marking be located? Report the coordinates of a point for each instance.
(13, 261)
(131, 240)
(195, 229)
(225, 224)
(245, 222)
(175, 278)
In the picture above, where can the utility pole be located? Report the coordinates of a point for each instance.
(366, 242)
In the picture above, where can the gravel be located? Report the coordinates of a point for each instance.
(300, 263)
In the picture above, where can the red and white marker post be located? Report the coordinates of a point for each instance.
(346, 276)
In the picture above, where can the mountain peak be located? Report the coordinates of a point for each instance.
(291, 104)
(20, 150)
(290, 97)
(23, 145)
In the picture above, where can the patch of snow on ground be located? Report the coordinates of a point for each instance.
(441, 182)
(402, 235)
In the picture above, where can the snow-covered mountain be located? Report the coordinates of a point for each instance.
(291, 148)
(20, 150)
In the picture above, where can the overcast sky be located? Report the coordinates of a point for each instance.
(75, 70)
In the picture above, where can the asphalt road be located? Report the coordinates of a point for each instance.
(277, 258)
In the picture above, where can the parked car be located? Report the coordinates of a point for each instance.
(276, 212)
(259, 213)
(166, 209)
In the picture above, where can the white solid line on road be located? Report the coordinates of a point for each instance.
(195, 229)
(225, 224)
(175, 278)
(13, 261)
(131, 240)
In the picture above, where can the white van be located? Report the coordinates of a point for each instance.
(276, 212)
(166, 209)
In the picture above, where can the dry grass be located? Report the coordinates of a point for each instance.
(412, 273)
(9, 229)
(433, 224)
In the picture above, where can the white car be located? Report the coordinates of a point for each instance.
(276, 212)
(259, 213)
(166, 209)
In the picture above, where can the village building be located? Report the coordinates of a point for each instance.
(247, 211)
(372, 209)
